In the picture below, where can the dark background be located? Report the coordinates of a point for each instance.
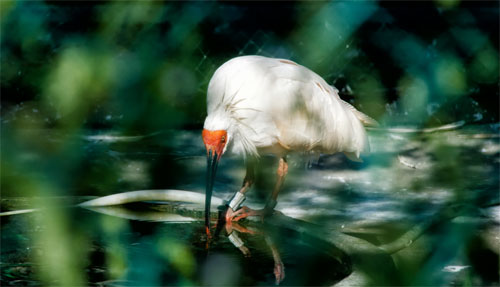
(164, 53)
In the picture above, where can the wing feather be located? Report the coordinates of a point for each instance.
(287, 103)
(365, 119)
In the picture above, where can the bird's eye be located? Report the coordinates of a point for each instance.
(223, 139)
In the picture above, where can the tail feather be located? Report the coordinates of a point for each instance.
(364, 119)
(353, 156)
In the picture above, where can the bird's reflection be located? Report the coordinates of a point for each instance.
(232, 230)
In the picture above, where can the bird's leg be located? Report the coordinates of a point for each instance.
(281, 172)
(247, 183)
(279, 267)
(232, 231)
(271, 202)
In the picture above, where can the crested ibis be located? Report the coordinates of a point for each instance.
(261, 105)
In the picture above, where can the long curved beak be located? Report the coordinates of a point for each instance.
(212, 161)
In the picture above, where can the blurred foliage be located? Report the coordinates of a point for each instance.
(144, 66)
(70, 69)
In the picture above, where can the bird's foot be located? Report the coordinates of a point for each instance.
(279, 272)
(245, 211)
(235, 226)
(242, 212)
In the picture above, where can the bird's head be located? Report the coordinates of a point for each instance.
(215, 142)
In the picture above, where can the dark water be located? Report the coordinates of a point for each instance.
(408, 180)
(169, 254)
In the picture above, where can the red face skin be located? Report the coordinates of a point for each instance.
(214, 141)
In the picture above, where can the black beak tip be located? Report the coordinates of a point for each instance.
(212, 161)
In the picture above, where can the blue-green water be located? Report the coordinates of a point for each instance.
(144, 253)
(408, 180)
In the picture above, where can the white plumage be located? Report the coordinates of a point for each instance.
(257, 104)
(276, 105)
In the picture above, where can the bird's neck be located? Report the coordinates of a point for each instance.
(238, 132)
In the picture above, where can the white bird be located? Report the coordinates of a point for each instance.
(261, 105)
